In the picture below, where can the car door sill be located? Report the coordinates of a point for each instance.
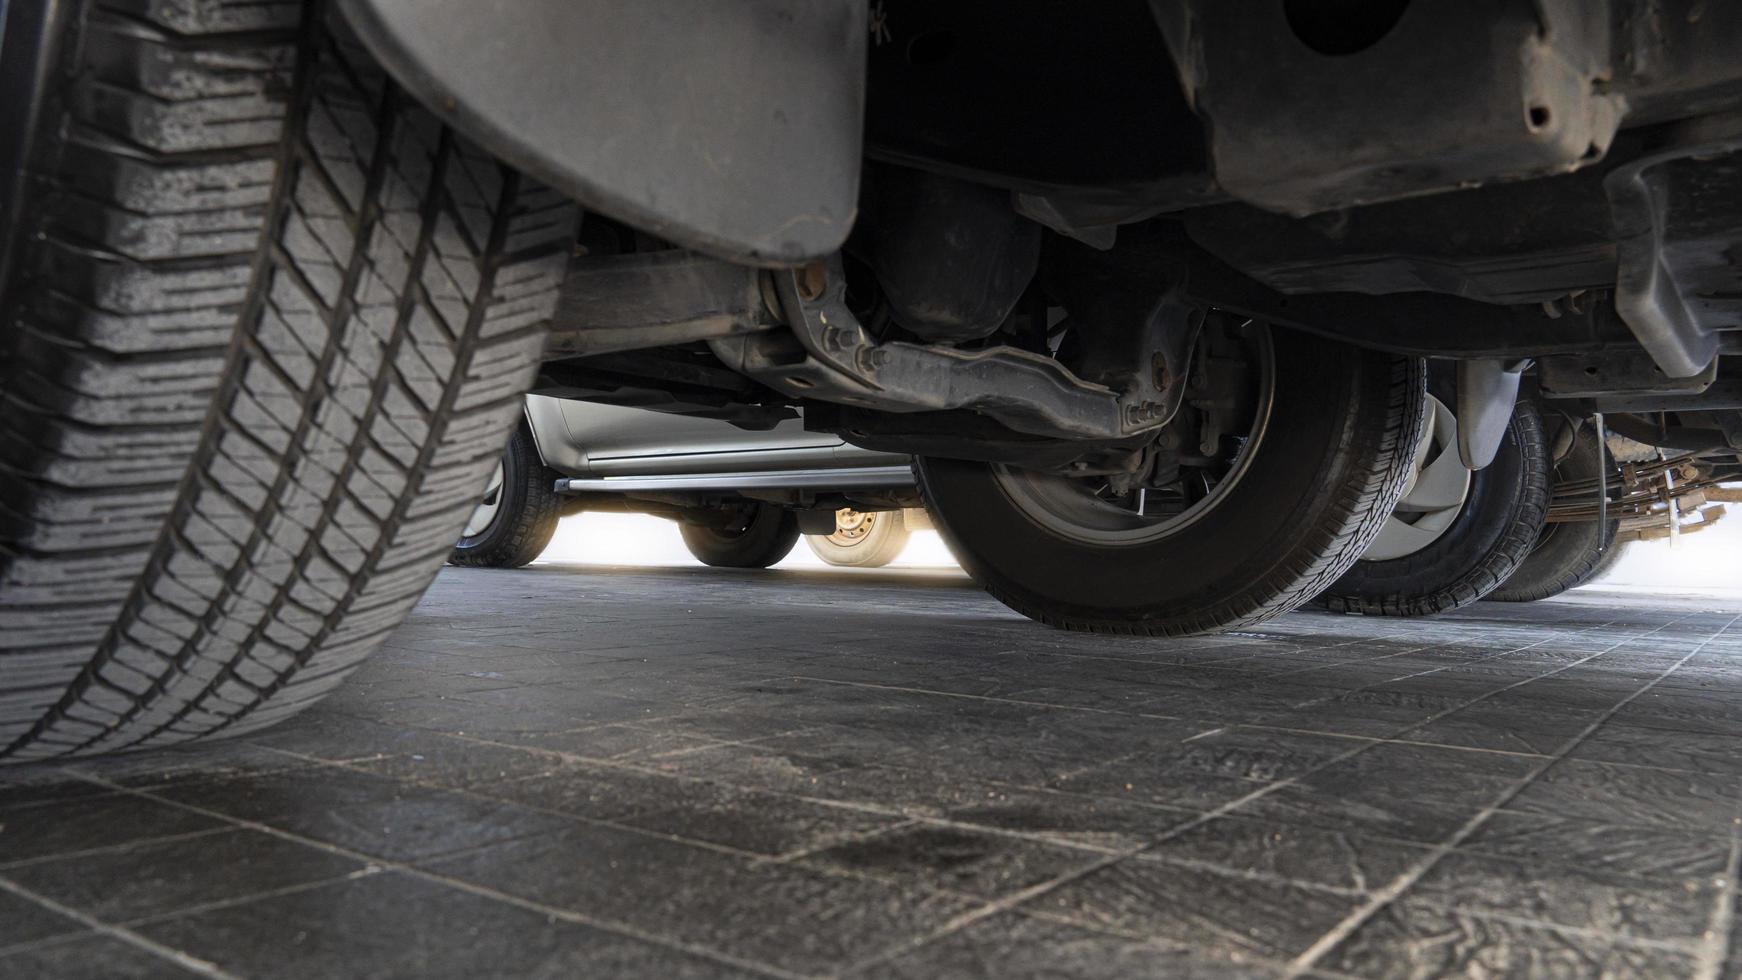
(848, 478)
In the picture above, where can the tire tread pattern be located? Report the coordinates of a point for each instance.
(277, 328)
(1457, 587)
(529, 515)
(1575, 553)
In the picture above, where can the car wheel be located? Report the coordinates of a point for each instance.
(1455, 535)
(514, 522)
(1271, 518)
(1567, 554)
(862, 539)
(753, 536)
(266, 324)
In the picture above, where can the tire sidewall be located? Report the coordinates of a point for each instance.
(1566, 553)
(769, 537)
(514, 499)
(527, 517)
(881, 545)
(1322, 421)
(1483, 543)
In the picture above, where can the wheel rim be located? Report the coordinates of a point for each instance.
(485, 513)
(1438, 488)
(852, 527)
(1085, 510)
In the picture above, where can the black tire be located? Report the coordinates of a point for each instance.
(528, 508)
(763, 535)
(1342, 424)
(1566, 554)
(875, 539)
(1606, 562)
(266, 324)
(1493, 532)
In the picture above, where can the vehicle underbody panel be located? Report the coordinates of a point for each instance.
(733, 127)
(1546, 190)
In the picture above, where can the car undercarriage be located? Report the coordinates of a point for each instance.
(1161, 296)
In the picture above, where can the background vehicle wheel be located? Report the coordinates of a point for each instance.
(755, 537)
(1292, 502)
(1455, 535)
(266, 324)
(514, 522)
(862, 539)
(1566, 554)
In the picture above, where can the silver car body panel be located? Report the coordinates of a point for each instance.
(834, 478)
(587, 440)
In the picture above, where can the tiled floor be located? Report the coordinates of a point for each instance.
(572, 771)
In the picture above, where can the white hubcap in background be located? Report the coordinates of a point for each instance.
(491, 505)
(1438, 486)
(852, 527)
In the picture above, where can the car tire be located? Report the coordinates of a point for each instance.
(762, 536)
(266, 325)
(1324, 470)
(1462, 549)
(1570, 553)
(514, 523)
(862, 539)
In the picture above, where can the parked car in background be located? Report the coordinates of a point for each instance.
(1527, 526)
(742, 496)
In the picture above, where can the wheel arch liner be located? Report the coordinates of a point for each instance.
(732, 128)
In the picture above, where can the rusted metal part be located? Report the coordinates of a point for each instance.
(1652, 499)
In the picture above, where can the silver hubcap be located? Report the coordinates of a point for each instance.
(485, 513)
(1437, 489)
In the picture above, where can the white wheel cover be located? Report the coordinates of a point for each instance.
(1438, 486)
(491, 504)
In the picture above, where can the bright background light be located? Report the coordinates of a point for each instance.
(1709, 562)
(636, 539)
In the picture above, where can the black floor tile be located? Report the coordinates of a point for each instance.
(1172, 903)
(1414, 793)
(1659, 748)
(761, 823)
(1651, 853)
(984, 865)
(1015, 947)
(1632, 796)
(284, 794)
(97, 957)
(25, 921)
(1577, 897)
(157, 878)
(794, 918)
(1089, 821)
(43, 784)
(392, 925)
(548, 773)
(417, 824)
(1292, 852)
(598, 792)
(30, 833)
(1412, 940)
(457, 764)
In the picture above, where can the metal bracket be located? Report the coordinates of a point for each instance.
(1487, 391)
(614, 303)
(1615, 373)
(837, 360)
(1662, 281)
